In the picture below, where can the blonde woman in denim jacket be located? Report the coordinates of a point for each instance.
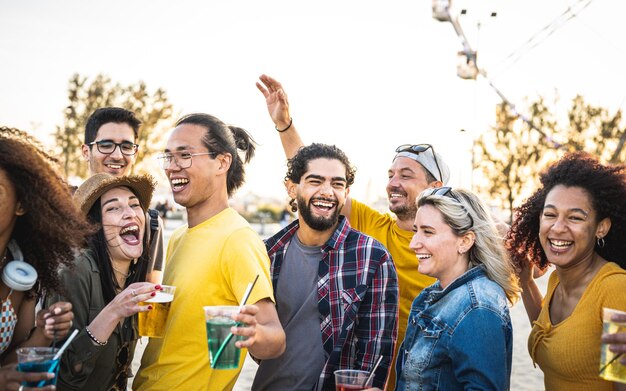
(459, 335)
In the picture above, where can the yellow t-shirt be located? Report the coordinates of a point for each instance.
(568, 353)
(210, 264)
(383, 228)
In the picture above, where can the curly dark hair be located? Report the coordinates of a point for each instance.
(299, 163)
(52, 227)
(606, 186)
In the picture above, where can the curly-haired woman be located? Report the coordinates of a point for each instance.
(576, 221)
(39, 221)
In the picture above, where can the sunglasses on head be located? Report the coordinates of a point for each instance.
(420, 148)
(445, 191)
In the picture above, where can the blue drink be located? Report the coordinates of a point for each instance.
(38, 359)
(40, 366)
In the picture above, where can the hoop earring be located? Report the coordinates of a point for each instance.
(600, 242)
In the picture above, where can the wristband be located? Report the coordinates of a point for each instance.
(288, 126)
(93, 337)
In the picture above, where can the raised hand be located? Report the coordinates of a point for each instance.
(276, 100)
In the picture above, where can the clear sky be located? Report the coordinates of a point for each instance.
(364, 75)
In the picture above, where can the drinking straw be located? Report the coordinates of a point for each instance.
(55, 359)
(610, 362)
(246, 295)
(371, 376)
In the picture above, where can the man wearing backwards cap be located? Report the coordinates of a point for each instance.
(413, 169)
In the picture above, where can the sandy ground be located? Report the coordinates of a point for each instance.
(524, 376)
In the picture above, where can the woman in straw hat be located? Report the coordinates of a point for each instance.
(39, 229)
(108, 283)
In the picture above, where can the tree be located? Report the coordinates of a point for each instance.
(506, 156)
(154, 110)
(512, 154)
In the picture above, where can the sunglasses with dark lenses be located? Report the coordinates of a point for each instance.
(445, 191)
(108, 146)
(420, 148)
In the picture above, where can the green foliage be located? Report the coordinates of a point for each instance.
(511, 154)
(154, 110)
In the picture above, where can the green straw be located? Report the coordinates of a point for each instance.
(230, 335)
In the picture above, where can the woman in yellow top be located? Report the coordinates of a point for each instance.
(576, 221)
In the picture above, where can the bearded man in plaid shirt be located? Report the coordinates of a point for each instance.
(336, 288)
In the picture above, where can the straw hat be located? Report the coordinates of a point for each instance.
(93, 188)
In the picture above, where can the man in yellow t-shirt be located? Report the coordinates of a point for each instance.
(414, 169)
(211, 261)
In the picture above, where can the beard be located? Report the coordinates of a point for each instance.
(316, 222)
(404, 212)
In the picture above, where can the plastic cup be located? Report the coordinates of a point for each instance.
(610, 367)
(38, 359)
(152, 323)
(218, 323)
(351, 379)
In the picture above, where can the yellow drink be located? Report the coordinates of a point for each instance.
(610, 366)
(152, 323)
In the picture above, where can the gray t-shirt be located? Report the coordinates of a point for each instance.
(296, 302)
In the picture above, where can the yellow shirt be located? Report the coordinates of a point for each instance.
(383, 228)
(210, 264)
(568, 353)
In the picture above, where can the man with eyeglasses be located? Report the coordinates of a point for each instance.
(110, 146)
(211, 261)
(414, 168)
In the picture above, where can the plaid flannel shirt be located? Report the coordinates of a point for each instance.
(357, 300)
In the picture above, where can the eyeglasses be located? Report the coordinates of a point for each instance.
(108, 147)
(182, 159)
(445, 191)
(419, 148)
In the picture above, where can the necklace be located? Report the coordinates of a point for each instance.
(125, 275)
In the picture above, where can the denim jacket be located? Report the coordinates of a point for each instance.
(458, 338)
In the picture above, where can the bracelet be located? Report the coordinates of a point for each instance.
(288, 126)
(93, 337)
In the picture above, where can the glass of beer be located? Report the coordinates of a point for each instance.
(36, 359)
(610, 367)
(352, 379)
(152, 323)
(218, 324)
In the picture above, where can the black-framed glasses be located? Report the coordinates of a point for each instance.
(420, 148)
(446, 191)
(182, 159)
(108, 147)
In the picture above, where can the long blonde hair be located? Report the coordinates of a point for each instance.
(464, 212)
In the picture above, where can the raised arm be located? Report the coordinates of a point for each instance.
(278, 108)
